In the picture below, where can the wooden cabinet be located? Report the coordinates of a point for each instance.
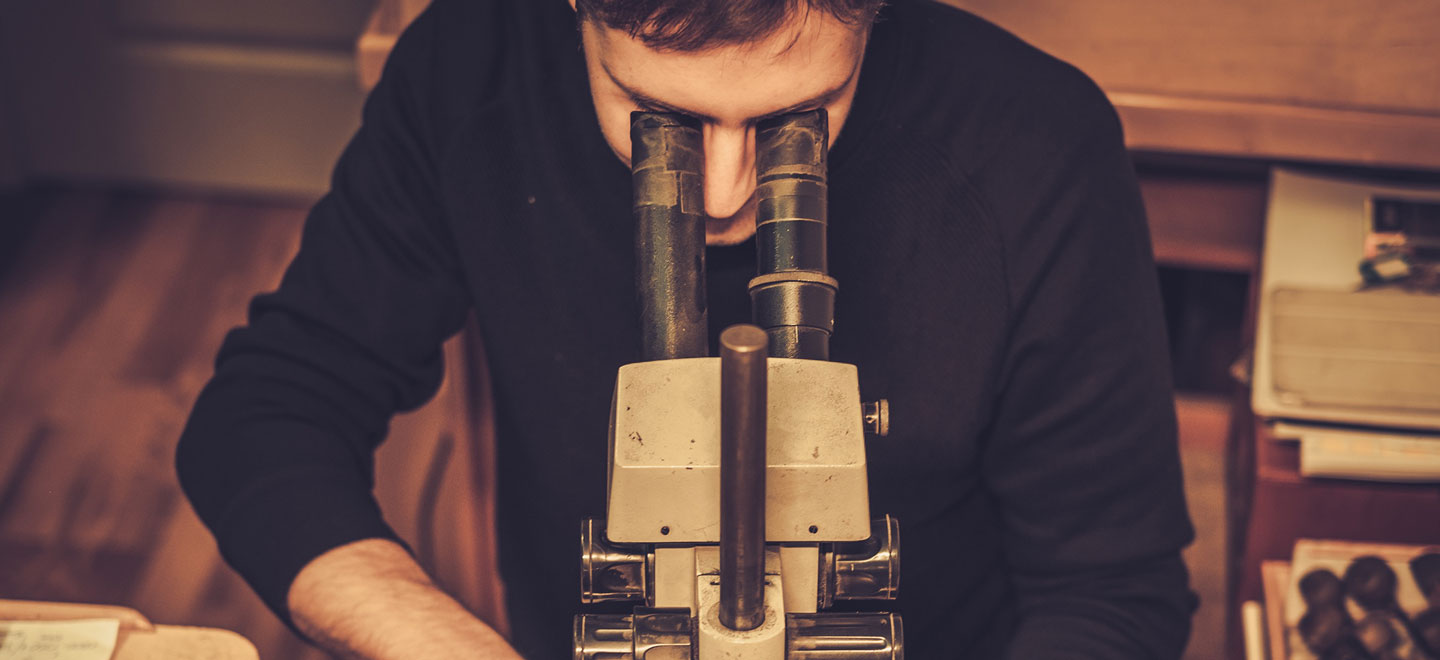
(1284, 506)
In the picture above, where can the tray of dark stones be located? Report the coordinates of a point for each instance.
(1363, 601)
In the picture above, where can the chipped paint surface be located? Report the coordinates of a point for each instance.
(665, 469)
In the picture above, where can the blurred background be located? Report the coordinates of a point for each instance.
(157, 158)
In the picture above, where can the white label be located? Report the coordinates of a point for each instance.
(83, 639)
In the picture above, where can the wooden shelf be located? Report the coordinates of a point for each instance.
(1277, 131)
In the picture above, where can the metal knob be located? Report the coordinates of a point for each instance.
(877, 417)
(845, 637)
(610, 571)
(863, 570)
(668, 634)
(603, 637)
(649, 634)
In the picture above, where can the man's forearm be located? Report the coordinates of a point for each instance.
(370, 600)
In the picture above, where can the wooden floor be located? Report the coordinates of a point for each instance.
(110, 315)
(1204, 425)
(111, 310)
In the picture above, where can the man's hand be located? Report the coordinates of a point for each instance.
(369, 600)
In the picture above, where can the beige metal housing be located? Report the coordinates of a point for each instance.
(665, 453)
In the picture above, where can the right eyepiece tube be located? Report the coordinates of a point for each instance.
(793, 295)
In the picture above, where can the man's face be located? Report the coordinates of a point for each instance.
(811, 62)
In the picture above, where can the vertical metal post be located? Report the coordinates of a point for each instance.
(743, 377)
(666, 157)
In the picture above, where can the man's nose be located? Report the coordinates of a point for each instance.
(729, 169)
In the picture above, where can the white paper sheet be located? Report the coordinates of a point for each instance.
(82, 639)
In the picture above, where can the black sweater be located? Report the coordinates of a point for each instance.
(996, 285)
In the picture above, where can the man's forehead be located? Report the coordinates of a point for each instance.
(804, 64)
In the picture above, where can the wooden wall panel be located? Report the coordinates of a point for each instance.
(307, 23)
(1375, 55)
(208, 117)
(1348, 81)
(250, 97)
(1352, 81)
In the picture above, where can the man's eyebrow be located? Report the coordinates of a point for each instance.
(819, 101)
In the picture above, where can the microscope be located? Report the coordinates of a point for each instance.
(738, 505)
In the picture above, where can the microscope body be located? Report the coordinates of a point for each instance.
(660, 542)
(737, 496)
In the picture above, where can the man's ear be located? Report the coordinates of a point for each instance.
(572, 5)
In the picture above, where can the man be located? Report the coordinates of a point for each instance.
(996, 286)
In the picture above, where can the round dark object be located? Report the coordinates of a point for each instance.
(1427, 630)
(1323, 627)
(1371, 582)
(1346, 648)
(1426, 569)
(1378, 632)
(1322, 588)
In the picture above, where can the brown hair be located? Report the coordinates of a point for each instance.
(690, 25)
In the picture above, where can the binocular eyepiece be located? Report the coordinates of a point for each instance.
(792, 295)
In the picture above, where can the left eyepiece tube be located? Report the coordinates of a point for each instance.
(666, 156)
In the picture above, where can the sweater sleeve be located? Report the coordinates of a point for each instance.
(277, 456)
(1082, 456)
